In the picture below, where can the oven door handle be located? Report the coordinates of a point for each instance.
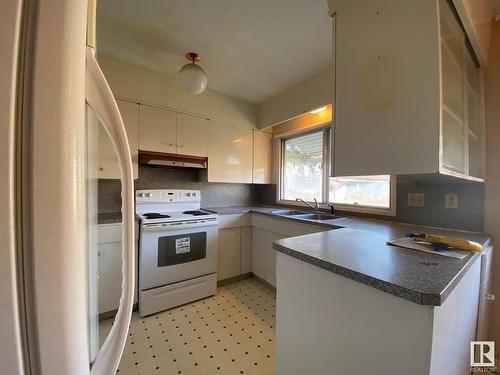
(169, 227)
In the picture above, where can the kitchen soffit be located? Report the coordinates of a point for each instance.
(251, 50)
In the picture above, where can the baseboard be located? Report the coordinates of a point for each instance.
(262, 281)
(234, 279)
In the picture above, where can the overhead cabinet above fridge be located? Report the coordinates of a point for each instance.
(408, 95)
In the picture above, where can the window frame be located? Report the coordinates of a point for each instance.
(327, 142)
(281, 143)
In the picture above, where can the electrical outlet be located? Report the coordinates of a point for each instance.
(451, 200)
(416, 199)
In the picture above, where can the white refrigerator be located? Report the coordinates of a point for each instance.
(52, 99)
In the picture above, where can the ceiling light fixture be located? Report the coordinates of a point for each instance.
(192, 76)
(317, 110)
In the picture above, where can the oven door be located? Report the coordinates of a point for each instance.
(173, 252)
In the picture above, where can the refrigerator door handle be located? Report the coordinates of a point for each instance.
(101, 100)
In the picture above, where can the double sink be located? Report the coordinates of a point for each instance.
(306, 215)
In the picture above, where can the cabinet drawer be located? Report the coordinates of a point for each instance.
(234, 220)
(109, 233)
(113, 232)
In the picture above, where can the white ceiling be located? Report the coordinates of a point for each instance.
(250, 49)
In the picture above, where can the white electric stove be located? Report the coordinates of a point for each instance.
(177, 249)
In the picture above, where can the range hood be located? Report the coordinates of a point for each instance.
(171, 160)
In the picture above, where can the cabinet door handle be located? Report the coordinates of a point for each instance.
(170, 144)
(181, 146)
(489, 296)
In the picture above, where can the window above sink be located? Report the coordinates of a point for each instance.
(304, 166)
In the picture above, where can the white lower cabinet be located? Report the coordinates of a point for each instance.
(109, 251)
(246, 244)
(229, 256)
(235, 246)
(263, 254)
(110, 276)
(246, 249)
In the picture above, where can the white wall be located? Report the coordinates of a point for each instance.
(309, 94)
(131, 82)
(145, 86)
(492, 185)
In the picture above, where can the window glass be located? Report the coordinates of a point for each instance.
(371, 191)
(303, 171)
(303, 167)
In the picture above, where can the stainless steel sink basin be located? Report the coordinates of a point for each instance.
(289, 212)
(306, 215)
(318, 216)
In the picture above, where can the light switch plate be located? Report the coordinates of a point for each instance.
(451, 200)
(416, 199)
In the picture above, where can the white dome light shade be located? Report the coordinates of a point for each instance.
(193, 78)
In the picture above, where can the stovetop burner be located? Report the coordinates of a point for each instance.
(155, 215)
(196, 213)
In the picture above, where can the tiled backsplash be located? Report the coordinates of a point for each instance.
(212, 194)
(468, 216)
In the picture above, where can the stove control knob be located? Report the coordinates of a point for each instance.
(140, 195)
(147, 195)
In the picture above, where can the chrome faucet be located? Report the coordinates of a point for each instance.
(315, 207)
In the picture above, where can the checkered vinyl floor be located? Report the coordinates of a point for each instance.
(230, 333)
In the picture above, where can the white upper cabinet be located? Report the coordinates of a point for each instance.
(408, 95)
(463, 132)
(158, 130)
(107, 159)
(229, 153)
(262, 146)
(166, 131)
(192, 135)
